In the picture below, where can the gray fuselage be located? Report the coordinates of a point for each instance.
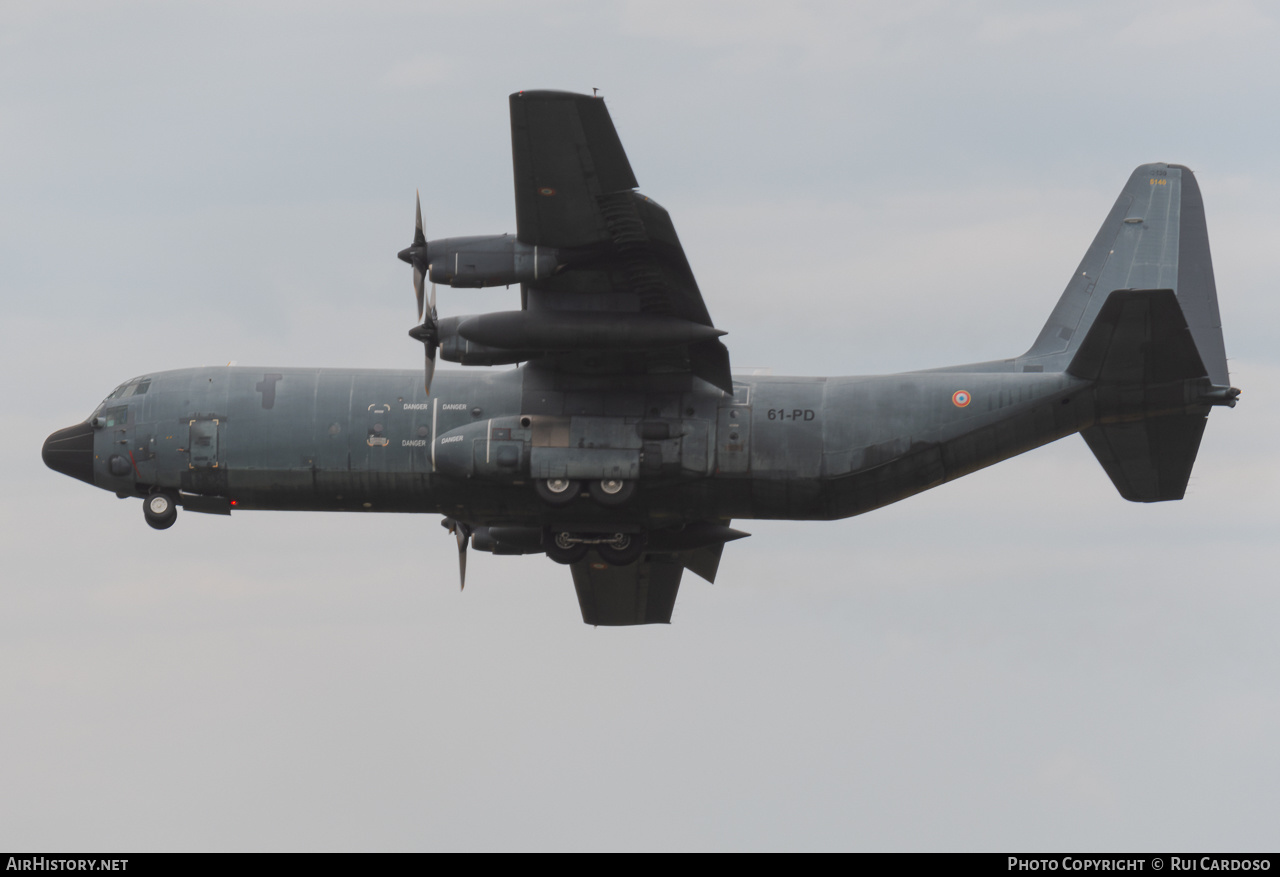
(780, 447)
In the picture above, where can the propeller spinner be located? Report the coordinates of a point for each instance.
(428, 332)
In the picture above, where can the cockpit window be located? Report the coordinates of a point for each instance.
(133, 388)
(115, 416)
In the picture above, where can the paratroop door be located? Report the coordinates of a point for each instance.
(202, 445)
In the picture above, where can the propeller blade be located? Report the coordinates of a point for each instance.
(416, 254)
(430, 368)
(434, 343)
(463, 534)
(417, 288)
(419, 239)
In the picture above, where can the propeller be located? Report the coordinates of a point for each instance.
(462, 532)
(428, 332)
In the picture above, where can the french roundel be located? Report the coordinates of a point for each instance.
(961, 398)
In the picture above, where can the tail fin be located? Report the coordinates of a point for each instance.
(1155, 237)
(1140, 321)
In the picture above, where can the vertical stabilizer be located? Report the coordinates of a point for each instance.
(1155, 237)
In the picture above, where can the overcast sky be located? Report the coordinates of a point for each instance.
(1020, 660)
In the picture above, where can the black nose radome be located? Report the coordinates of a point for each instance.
(70, 451)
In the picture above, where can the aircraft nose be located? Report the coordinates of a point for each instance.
(70, 451)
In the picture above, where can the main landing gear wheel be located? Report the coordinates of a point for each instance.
(622, 549)
(557, 491)
(611, 491)
(160, 510)
(561, 548)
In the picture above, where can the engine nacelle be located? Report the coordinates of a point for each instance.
(517, 336)
(489, 260)
(455, 348)
(508, 540)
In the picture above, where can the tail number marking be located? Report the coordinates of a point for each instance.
(801, 414)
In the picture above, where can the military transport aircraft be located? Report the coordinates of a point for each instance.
(621, 445)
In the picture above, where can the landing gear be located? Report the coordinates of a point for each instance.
(160, 510)
(615, 549)
(606, 492)
(622, 549)
(612, 491)
(557, 491)
(565, 548)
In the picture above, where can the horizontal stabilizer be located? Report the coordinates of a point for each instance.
(1148, 460)
(1139, 338)
(1152, 393)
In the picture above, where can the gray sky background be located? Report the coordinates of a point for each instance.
(1019, 660)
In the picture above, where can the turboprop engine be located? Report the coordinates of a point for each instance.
(488, 260)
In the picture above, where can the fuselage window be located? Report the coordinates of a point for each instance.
(116, 416)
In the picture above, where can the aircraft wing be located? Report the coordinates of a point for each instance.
(639, 593)
(575, 192)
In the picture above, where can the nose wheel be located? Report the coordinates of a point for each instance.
(160, 510)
